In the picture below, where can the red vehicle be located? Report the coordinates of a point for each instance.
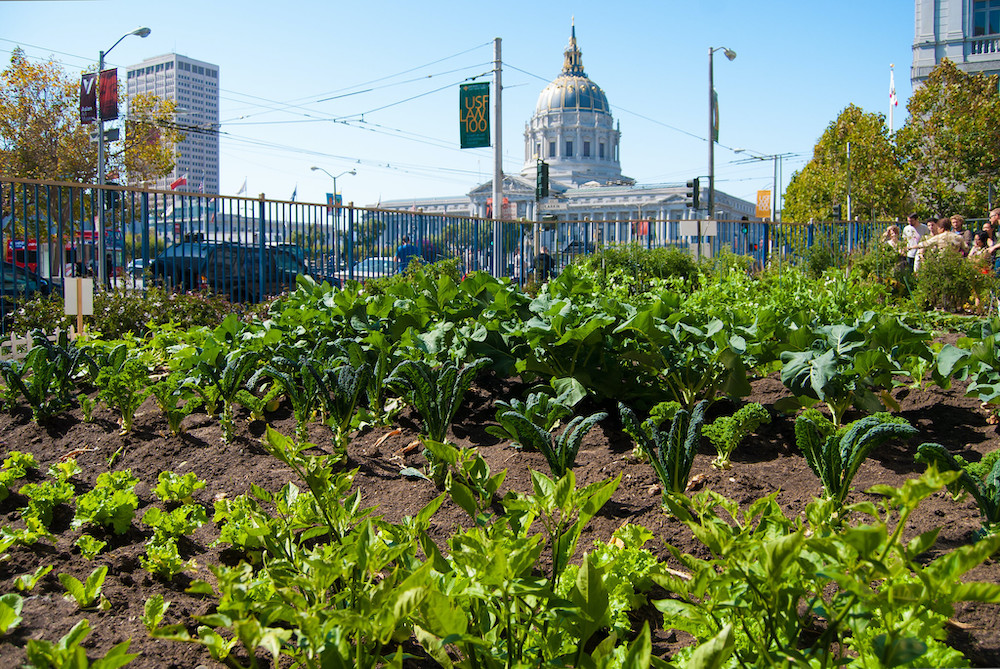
(22, 253)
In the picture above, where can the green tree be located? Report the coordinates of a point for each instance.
(41, 136)
(876, 179)
(951, 141)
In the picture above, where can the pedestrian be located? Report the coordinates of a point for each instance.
(545, 266)
(911, 237)
(958, 227)
(891, 236)
(405, 254)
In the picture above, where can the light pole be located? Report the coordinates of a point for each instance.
(712, 112)
(102, 270)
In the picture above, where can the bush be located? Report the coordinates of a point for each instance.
(638, 266)
(883, 265)
(436, 270)
(119, 312)
(817, 259)
(946, 280)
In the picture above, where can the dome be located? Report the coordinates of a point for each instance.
(572, 93)
(572, 90)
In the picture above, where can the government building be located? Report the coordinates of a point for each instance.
(966, 32)
(573, 131)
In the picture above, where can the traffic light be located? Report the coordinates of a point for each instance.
(745, 226)
(693, 193)
(542, 180)
(837, 213)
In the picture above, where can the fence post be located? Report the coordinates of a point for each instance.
(350, 242)
(260, 248)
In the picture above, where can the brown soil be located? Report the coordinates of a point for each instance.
(769, 462)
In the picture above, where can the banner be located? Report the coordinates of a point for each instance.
(474, 115)
(763, 204)
(88, 98)
(109, 94)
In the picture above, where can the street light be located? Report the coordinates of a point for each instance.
(101, 246)
(320, 169)
(730, 54)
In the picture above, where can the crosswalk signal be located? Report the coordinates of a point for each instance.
(542, 180)
(693, 193)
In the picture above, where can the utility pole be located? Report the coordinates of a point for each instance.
(497, 162)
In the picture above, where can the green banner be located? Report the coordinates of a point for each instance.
(474, 112)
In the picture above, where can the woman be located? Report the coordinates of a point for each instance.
(891, 236)
(980, 251)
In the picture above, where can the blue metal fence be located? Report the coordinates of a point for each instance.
(252, 248)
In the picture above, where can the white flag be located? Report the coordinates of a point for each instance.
(243, 188)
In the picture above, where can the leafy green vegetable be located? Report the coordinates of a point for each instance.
(671, 453)
(162, 557)
(89, 547)
(47, 376)
(67, 652)
(87, 594)
(27, 582)
(835, 455)
(44, 497)
(726, 432)
(123, 384)
(559, 451)
(176, 523)
(435, 392)
(986, 490)
(112, 502)
(10, 612)
(172, 487)
(540, 409)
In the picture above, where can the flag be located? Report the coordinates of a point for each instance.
(893, 100)
(295, 192)
(243, 188)
(180, 181)
(201, 186)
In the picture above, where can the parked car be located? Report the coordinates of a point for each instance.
(373, 268)
(19, 282)
(230, 269)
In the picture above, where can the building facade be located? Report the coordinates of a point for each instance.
(572, 129)
(966, 32)
(194, 86)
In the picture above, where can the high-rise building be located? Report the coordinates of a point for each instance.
(966, 32)
(194, 86)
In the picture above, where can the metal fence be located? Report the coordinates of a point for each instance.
(251, 248)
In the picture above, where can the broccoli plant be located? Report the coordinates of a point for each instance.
(726, 432)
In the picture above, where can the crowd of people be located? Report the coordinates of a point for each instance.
(918, 236)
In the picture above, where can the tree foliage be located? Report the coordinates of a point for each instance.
(41, 136)
(950, 144)
(877, 186)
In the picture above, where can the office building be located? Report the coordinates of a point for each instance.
(194, 86)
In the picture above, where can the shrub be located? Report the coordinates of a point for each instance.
(883, 265)
(639, 265)
(948, 281)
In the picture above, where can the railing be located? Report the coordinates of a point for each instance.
(250, 248)
(984, 45)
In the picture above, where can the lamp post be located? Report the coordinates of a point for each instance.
(102, 270)
(730, 54)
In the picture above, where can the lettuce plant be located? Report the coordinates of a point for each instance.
(87, 594)
(15, 466)
(10, 612)
(67, 652)
(112, 502)
(123, 384)
(172, 487)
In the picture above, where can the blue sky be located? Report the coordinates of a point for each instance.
(373, 86)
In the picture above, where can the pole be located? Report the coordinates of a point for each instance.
(774, 195)
(101, 250)
(497, 161)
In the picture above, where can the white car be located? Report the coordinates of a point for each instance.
(373, 268)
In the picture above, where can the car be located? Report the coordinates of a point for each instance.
(135, 267)
(180, 265)
(373, 268)
(576, 247)
(20, 283)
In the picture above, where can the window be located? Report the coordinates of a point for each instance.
(569, 149)
(552, 149)
(586, 149)
(600, 150)
(985, 17)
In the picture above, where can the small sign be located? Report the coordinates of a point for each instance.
(79, 300)
(474, 115)
(763, 204)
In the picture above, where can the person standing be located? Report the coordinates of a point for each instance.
(405, 254)
(544, 265)
(958, 227)
(911, 237)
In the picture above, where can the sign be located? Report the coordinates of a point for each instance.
(88, 98)
(109, 94)
(763, 204)
(474, 115)
(79, 297)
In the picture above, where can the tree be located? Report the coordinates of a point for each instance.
(41, 136)
(877, 187)
(950, 144)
